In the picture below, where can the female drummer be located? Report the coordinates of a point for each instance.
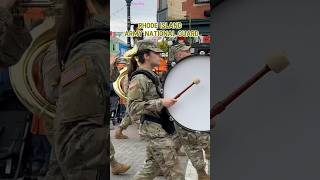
(144, 101)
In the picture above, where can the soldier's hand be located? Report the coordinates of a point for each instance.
(168, 102)
(7, 3)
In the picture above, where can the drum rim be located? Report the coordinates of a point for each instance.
(168, 72)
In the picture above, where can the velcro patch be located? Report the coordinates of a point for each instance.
(73, 73)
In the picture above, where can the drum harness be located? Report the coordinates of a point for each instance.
(164, 120)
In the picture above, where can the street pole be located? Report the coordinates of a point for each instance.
(128, 22)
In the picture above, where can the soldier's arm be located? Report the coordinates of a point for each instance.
(82, 94)
(51, 73)
(136, 91)
(15, 39)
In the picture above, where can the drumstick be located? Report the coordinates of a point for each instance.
(195, 81)
(277, 63)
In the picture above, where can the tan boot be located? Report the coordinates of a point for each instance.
(202, 175)
(118, 168)
(118, 134)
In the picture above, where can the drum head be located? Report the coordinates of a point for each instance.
(192, 111)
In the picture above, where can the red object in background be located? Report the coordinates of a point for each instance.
(206, 39)
(196, 11)
(112, 34)
(163, 67)
(34, 13)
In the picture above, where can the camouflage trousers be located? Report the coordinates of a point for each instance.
(82, 150)
(126, 122)
(112, 152)
(161, 156)
(54, 171)
(194, 143)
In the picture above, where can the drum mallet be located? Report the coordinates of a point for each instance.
(195, 81)
(276, 63)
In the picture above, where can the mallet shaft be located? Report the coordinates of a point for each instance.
(178, 95)
(221, 106)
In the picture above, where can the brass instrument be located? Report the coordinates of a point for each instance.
(120, 84)
(127, 55)
(22, 74)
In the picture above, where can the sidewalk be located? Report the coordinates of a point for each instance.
(132, 152)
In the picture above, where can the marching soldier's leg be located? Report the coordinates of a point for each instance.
(193, 148)
(116, 167)
(150, 168)
(177, 142)
(126, 121)
(204, 140)
(163, 151)
(112, 152)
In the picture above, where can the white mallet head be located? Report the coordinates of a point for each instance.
(278, 62)
(196, 81)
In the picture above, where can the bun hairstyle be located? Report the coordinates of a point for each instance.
(137, 59)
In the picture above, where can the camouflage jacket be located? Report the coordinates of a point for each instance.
(144, 99)
(82, 89)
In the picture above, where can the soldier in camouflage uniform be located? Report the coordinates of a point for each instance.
(116, 167)
(82, 132)
(127, 119)
(14, 37)
(51, 77)
(193, 142)
(143, 99)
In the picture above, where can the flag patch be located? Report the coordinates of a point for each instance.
(73, 73)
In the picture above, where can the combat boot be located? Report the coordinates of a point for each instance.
(202, 175)
(118, 134)
(118, 168)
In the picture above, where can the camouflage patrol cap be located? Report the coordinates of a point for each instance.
(150, 45)
(179, 47)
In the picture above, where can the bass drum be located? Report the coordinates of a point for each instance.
(24, 74)
(192, 111)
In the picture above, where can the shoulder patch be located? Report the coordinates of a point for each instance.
(73, 73)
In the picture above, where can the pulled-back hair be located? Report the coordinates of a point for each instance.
(133, 62)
